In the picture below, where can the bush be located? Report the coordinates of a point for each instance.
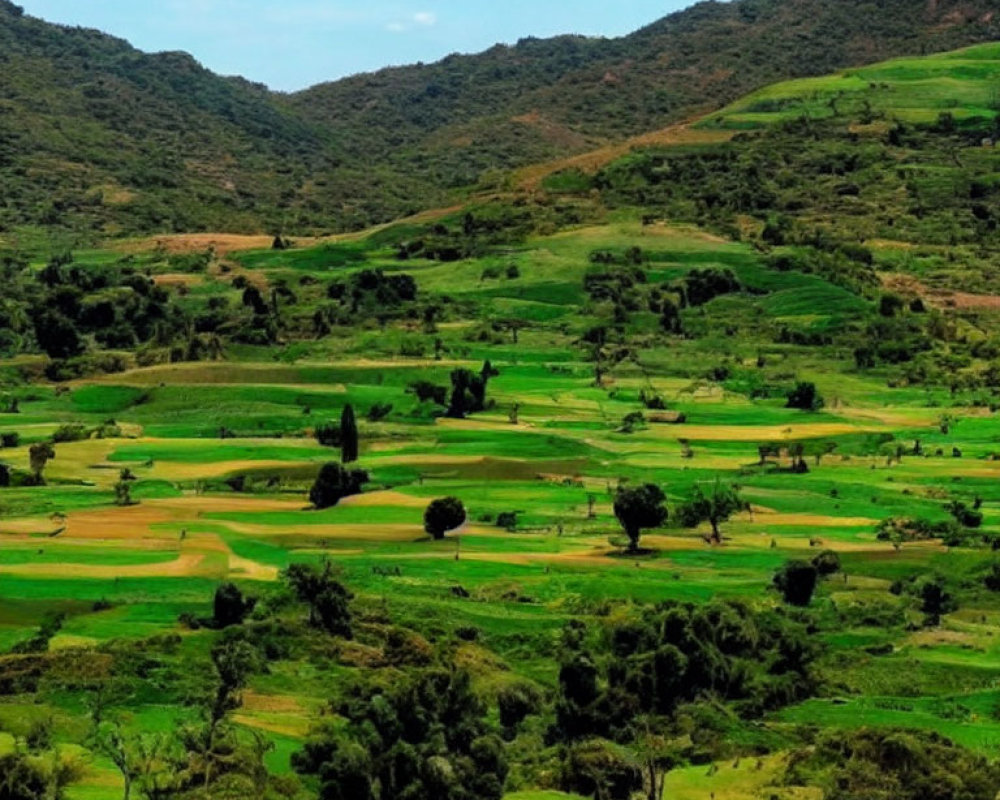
(797, 581)
(328, 435)
(69, 433)
(827, 563)
(334, 482)
(805, 397)
(896, 764)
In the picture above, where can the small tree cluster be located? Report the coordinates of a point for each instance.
(468, 391)
(328, 600)
(334, 483)
(424, 737)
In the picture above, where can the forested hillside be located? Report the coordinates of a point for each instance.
(100, 139)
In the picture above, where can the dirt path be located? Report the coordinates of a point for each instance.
(530, 178)
(939, 298)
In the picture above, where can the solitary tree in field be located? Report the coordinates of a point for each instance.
(443, 515)
(638, 508)
(39, 455)
(714, 507)
(123, 493)
(348, 436)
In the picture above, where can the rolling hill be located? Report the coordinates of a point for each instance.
(100, 139)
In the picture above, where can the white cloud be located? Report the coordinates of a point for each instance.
(395, 27)
(425, 18)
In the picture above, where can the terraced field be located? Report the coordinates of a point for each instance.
(223, 455)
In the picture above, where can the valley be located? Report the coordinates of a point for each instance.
(717, 403)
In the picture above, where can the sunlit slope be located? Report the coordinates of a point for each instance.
(964, 83)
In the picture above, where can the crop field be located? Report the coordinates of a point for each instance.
(961, 83)
(223, 454)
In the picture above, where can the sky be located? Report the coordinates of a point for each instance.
(293, 44)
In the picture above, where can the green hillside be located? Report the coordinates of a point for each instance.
(99, 139)
(964, 84)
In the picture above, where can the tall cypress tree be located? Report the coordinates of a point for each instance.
(348, 436)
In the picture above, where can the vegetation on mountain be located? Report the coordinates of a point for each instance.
(98, 139)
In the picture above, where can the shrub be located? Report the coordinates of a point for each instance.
(334, 482)
(796, 581)
(805, 397)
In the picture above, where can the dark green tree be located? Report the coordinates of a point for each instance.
(57, 335)
(348, 436)
(714, 507)
(423, 736)
(334, 483)
(328, 600)
(443, 515)
(805, 397)
(796, 581)
(639, 508)
(230, 607)
(827, 563)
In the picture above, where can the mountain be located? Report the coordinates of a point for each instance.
(102, 139)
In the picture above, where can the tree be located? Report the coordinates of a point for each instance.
(24, 777)
(39, 455)
(423, 736)
(935, 599)
(334, 482)
(123, 493)
(893, 763)
(597, 768)
(328, 435)
(670, 317)
(805, 397)
(638, 508)
(443, 515)
(333, 610)
(328, 599)
(112, 742)
(252, 298)
(796, 581)
(965, 516)
(57, 335)
(827, 563)
(348, 436)
(235, 661)
(230, 607)
(715, 508)
(515, 703)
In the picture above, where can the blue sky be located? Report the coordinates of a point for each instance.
(291, 44)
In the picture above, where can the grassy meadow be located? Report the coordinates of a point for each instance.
(131, 572)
